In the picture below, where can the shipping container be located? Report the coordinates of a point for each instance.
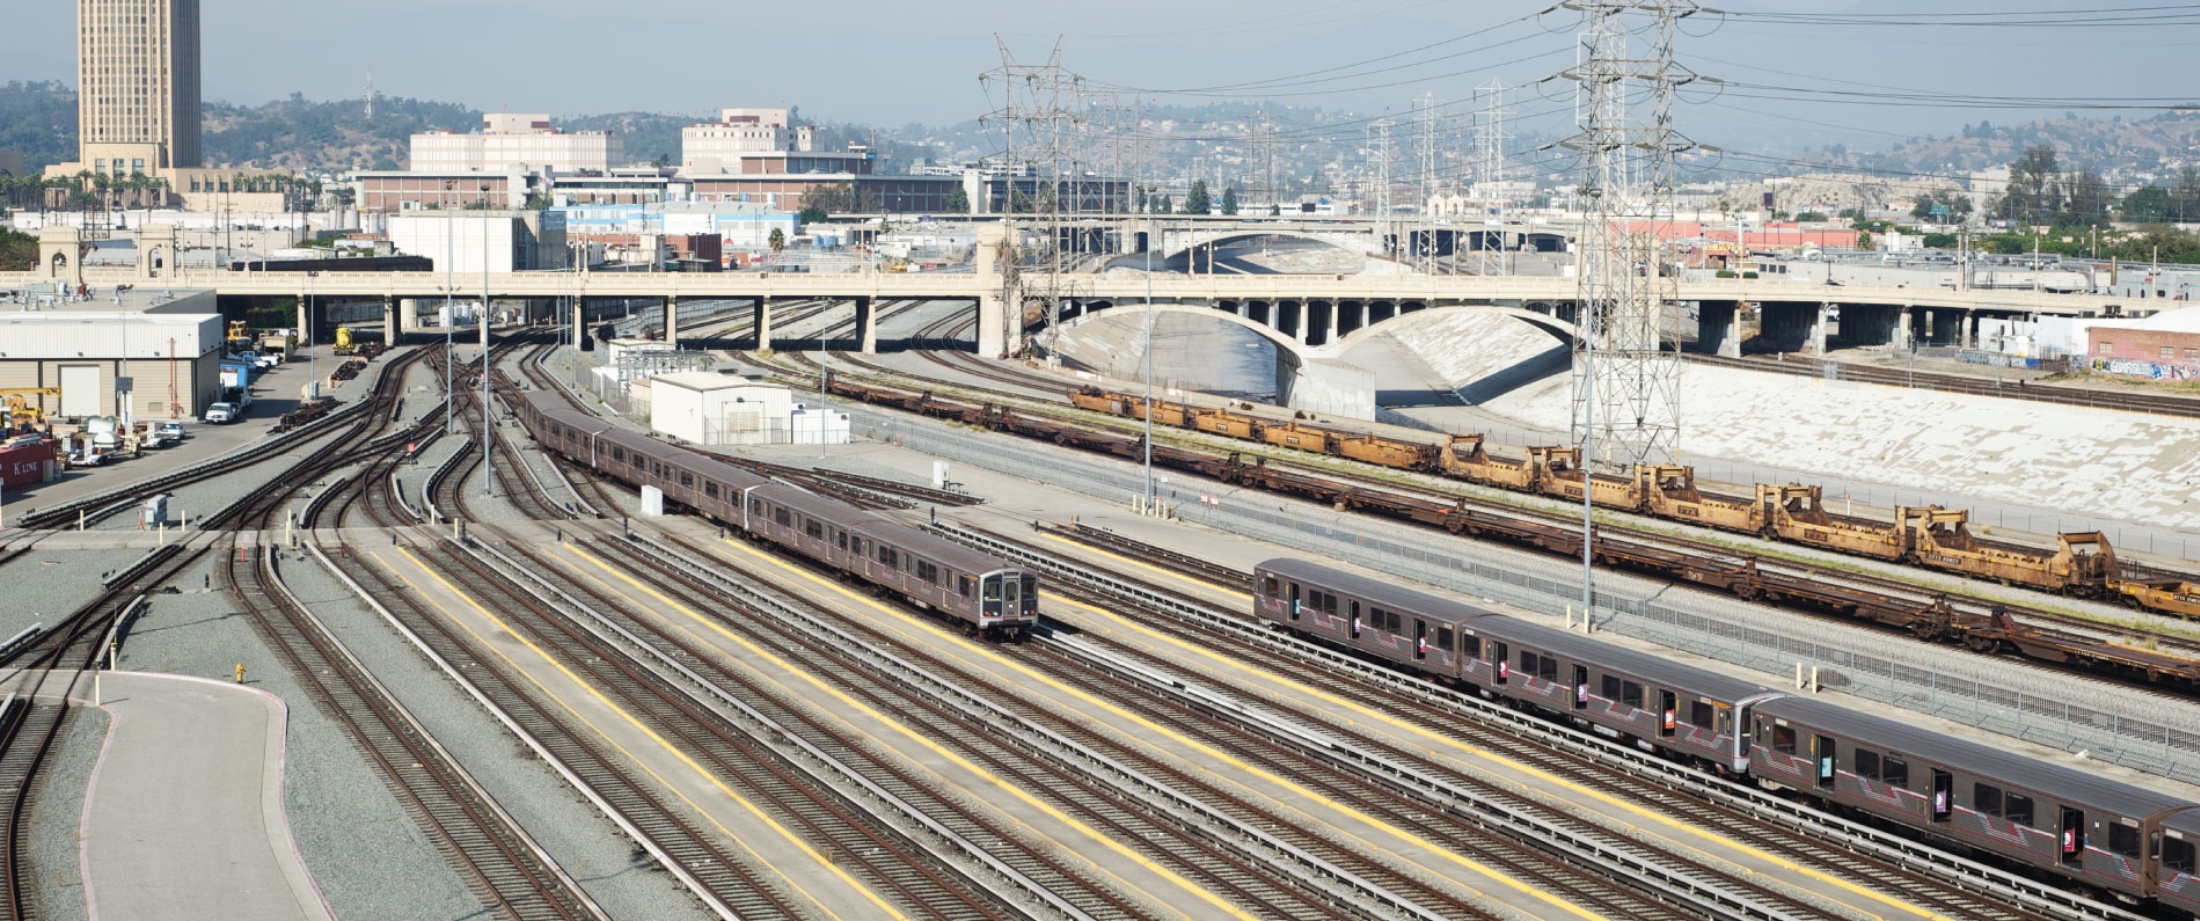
(25, 465)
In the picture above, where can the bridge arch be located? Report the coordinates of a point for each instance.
(1179, 242)
(1562, 330)
(1097, 310)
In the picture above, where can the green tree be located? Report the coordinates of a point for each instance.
(2150, 205)
(2184, 195)
(1809, 217)
(2088, 199)
(958, 201)
(1275, 210)
(18, 250)
(1196, 201)
(778, 239)
(2035, 194)
(1864, 241)
(1230, 200)
(813, 214)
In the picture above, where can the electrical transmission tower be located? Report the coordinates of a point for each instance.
(1489, 172)
(1425, 122)
(370, 94)
(1626, 406)
(1043, 135)
(1380, 155)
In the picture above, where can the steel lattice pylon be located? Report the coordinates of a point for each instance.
(1626, 405)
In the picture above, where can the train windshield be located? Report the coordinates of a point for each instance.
(993, 588)
(1031, 594)
(1012, 592)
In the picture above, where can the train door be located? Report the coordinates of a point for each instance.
(1420, 638)
(1826, 750)
(1012, 595)
(1581, 687)
(1294, 601)
(1500, 664)
(1355, 605)
(1944, 795)
(2072, 836)
(1668, 713)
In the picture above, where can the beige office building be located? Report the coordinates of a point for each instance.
(138, 85)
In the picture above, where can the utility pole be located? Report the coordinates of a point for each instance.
(1626, 407)
(1041, 126)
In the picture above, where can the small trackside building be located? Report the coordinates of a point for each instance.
(65, 351)
(709, 408)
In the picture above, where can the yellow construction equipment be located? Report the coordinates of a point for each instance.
(20, 412)
(239, 335)
(343, 340)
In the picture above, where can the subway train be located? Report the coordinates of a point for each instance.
(976, 590)
(2052, 820)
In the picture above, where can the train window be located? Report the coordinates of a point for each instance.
(2178, 856)
(710, 489)
(781, 515)
(1470, 646)
(1867, 764)
(1443, 638)
(2017, 807)
(1630, 694)
(687, 479)
(1986, 800)
(1783, 739)
(1546, 668)
(1611, 687)
(1329, 603)
(1268, 586)
(1895, 772)
(962, 585)
(928, 572)
(813, 529)
(1397, 622)
(756, 507)
(840, 540)
(1701, 715)
(1528, 661)
(618, 454)
(992, 588)
(2124, 840)
(889, 557)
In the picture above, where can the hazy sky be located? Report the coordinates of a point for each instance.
(893, 63)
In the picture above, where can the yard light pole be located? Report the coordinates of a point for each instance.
(450, 282)
(488, 425)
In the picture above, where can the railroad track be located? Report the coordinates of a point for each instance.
(2083, 397)
(506, 869)
(1948, 885)
(744, 759)
(1266, 890)
(63, 651)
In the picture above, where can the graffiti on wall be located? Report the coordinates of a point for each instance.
(2132, 367)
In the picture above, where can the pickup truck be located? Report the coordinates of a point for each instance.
(221, 413)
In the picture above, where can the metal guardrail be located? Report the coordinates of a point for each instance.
(15, 644)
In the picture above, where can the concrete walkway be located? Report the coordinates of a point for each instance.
(184, 816)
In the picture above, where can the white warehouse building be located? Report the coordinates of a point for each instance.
(136, 355)
(709, 408)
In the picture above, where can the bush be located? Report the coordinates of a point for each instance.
(1727, 273)
(1748, 275)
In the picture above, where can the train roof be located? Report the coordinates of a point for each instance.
(1675, 676)
(711, 468)
(1972, 757)
(575, 419)
(925, 544)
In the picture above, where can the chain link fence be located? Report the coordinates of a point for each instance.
(2132, 728)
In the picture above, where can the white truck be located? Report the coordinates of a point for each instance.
(222, 413)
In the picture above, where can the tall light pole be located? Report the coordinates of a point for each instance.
(1149, 361)
(488, 425)
(450, 282)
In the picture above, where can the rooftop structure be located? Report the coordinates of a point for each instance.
(507, 140)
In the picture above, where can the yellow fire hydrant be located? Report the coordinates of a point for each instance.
(240, 673)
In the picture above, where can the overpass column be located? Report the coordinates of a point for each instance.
(867, 324)
(1902, 338)
(408, 317)
(672, 322)
(764, 323)
(305, 334)
(389, 319)
(1818, 329)
(1968, 332)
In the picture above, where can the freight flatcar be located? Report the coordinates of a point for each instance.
(2046, 818)
(977, 590)
(2081, 564)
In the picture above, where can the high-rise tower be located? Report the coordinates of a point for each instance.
(137, 65)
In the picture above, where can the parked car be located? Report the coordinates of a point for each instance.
(87, 458)
(222, 413)
(172, 431)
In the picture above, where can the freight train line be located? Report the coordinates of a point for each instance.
(671, 686)
(1655, 790)
(1237, 858)
(1826, 590)
(2082, 397)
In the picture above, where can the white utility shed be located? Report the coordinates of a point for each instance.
(708, 408)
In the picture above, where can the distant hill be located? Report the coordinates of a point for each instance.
(298, 133)
(38, 119)
(2125, 150)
